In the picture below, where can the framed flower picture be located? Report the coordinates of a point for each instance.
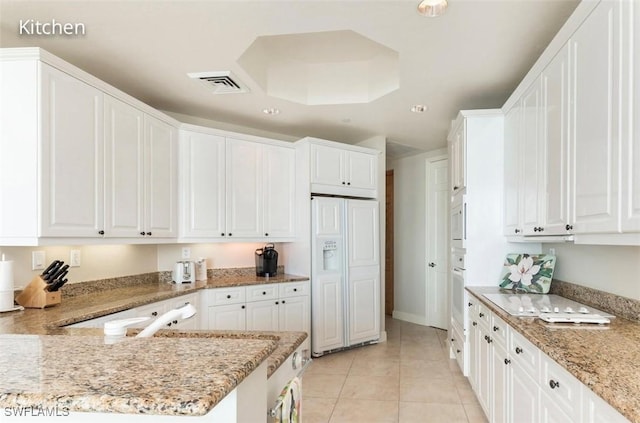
(528, 272)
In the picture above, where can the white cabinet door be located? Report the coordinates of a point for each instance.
(364, 304)
(244, 189)
(361, 170)
(227, 317)
(294, 314)
(363, 233)
(595, 139)
(500, 392)
(458, 158)
(474, 349)
(512, 172)
(327, 165)
(161, 183)
(630, 207)
(71, 179)
(263, 315)
(123, 173)
(483, 388)
(554, 196)
(551, 412)
(278, 169)
(524, 395)
(530, 158)
(203, 182)
(327, 333)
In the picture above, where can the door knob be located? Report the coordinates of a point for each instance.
(432, 264)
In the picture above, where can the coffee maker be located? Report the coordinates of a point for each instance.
(266, 261)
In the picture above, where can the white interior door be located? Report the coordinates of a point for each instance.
(437, 246)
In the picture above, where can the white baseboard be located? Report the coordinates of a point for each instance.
(409, 317)
(383, 336)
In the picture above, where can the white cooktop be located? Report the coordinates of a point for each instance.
(532, 305)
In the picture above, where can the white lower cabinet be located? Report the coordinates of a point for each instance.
(516, 382)
(267, 307)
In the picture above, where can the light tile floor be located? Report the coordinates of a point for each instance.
(408, 379)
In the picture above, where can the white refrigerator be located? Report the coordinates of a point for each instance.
(345, 273)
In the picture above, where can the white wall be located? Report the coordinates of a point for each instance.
(613, 269)
(409, 235)
(97, 261)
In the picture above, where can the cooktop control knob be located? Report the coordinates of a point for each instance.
(583, 310)
(568, 310)
(545, 309)
(531, 310)
(520, 309)
(556, 309)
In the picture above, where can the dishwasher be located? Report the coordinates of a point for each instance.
(288, 378)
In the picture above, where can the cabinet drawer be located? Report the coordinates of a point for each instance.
(525, 354)
(484, 315)
(561, 387)
(262, 292)
(457, 346)
(294, 289)
(499, 330)
(182, 300)
(151, 310)
(221, 296)
(457, 258)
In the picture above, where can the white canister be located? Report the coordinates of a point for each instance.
(6, 275)
(201, 269)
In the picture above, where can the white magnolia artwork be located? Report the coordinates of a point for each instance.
(528, 272)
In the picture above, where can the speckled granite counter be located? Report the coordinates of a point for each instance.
(173, 376)
(607, 360)
(175, 372)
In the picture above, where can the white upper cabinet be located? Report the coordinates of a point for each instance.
(90, 162)
(578, 123)
(595, 139)
(554, 147)
(124, 190)
(630, 135)
(457, 157)
(202, 169)
(161, 178)
(51, 166)
(512, 172)
(244, 189)
(344, 170)
(530, 157)
(233, 188)
(278, 177)
(140, 174)
(71, 185)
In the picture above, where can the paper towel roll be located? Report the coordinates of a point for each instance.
(6, 275)
(6, 300)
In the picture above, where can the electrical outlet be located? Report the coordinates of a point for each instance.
(186, 252)
(75, 258)
(552, 251)
(37, 260)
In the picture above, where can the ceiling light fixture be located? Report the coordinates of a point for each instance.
(432, 8)
(419, 108)
(271, 111)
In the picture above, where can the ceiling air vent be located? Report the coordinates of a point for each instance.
(222, 82)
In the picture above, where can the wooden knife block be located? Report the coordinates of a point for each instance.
(35, 295)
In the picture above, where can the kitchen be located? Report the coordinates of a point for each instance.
(575, 263)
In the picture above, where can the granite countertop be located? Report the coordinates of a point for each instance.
(174, 372)
(605, 360)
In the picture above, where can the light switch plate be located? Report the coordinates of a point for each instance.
(186, 252)
(37, 260)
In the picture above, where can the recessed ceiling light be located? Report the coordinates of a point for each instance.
(432, 8)
(346, 120)
(271, 111)
(419, 108)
